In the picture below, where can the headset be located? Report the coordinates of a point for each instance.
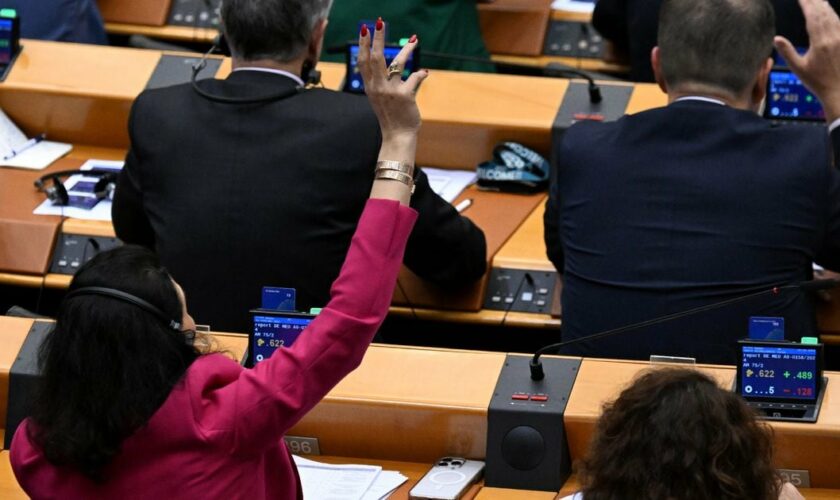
(127, 298)
(309, 74)
(57, 192)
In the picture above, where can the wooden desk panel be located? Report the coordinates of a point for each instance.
(408, 404)
(9, 487)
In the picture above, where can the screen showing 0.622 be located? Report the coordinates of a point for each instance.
(778, 372)
(273, 332)
(787, 98)
(6, 33)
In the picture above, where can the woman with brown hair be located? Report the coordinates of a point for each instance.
(674, 434)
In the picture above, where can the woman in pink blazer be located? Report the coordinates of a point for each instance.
(130, 407)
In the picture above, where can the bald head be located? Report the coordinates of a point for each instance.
(720, 44)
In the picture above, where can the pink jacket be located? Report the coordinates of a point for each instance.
(219, 434)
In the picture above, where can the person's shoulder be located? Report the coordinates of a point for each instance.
(162, 98)
(212, 371)
(332, 101)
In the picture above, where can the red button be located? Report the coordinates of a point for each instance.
(539, 397)
(520, 397)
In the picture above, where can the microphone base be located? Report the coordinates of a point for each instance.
(577, 105)
(526, 438)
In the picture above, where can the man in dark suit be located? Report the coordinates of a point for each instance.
(77, 21)
(631, 25)
(235, 195)
(702, 200)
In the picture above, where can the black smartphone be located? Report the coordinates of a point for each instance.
(9, 40)
(353, 80)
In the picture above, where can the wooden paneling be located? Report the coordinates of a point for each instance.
(514, 26)
(150, 12)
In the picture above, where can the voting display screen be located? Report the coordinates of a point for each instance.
(6, 40)
(272, 331)
(787, 98)
(778, 372)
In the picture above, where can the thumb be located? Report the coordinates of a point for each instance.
(789, 53)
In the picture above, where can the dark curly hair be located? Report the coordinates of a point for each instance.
(674, 434)
(108, 365)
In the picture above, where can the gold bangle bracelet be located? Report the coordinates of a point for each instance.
(396, 176)
(398, 166)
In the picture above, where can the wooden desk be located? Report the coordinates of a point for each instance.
(416, 405)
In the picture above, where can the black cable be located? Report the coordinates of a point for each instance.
(407, 301)
(525, 277)
(536, 367)
(594, 90)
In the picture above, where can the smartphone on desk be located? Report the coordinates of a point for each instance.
(448, 479)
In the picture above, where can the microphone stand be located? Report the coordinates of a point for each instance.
(537, 372)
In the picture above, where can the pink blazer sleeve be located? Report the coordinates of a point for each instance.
(258, 408)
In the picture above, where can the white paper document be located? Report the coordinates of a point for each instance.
(448, 184)
(16, 150)
(100, 210)
(574, 5)
(345, 482)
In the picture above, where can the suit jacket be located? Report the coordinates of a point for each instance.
(631, 25)
(235, 197)
(76, 21)
(219, 434)
(685, 206)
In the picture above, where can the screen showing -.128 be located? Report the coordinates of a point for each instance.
(778, 372)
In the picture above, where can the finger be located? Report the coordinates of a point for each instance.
(418, 77)
(789, 54)
(377, 57)
(402, 58)
(363, 61)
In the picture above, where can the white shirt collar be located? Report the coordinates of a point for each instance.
(700, 98)
(275, 71)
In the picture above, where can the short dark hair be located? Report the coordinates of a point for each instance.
(718, 43)
(108, 365)
(675, 434)
(271, 29)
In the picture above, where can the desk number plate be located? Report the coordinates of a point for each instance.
(303, 445)
(798, 478)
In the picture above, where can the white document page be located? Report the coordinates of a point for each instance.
(386, 482)
(335, 482)
(448, 184)
(102, 210)
(574, 5)
(37, 157)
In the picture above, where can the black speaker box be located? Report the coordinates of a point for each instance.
(526, 438)
(23, 378)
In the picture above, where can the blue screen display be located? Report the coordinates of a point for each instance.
(272, 332)
(788, 98)
(6, 26)
(354, 78)
(778, 372)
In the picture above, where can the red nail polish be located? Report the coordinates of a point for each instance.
(364, 30)
(379, 24)
(412, 39)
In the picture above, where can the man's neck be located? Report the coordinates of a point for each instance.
(710, 93)
(292, 67)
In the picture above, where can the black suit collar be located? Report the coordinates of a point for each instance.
(260, 78)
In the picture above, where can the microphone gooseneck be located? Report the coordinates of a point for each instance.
(536, 367)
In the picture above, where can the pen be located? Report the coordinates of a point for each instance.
(26, 145)
(465, 204)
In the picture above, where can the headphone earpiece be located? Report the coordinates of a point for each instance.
(57, 192)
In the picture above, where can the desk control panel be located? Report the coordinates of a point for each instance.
(573, 39)
(519, 290)
(73, 250)
(196, 13)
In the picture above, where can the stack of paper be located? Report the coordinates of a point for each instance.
(448, 184)
(574, 5)
(346, 482)
(18, 151)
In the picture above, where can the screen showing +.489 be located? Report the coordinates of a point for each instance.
(778, 372)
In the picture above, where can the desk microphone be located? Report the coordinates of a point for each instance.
(537, 372)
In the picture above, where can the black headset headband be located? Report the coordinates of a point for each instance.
(129, 298)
